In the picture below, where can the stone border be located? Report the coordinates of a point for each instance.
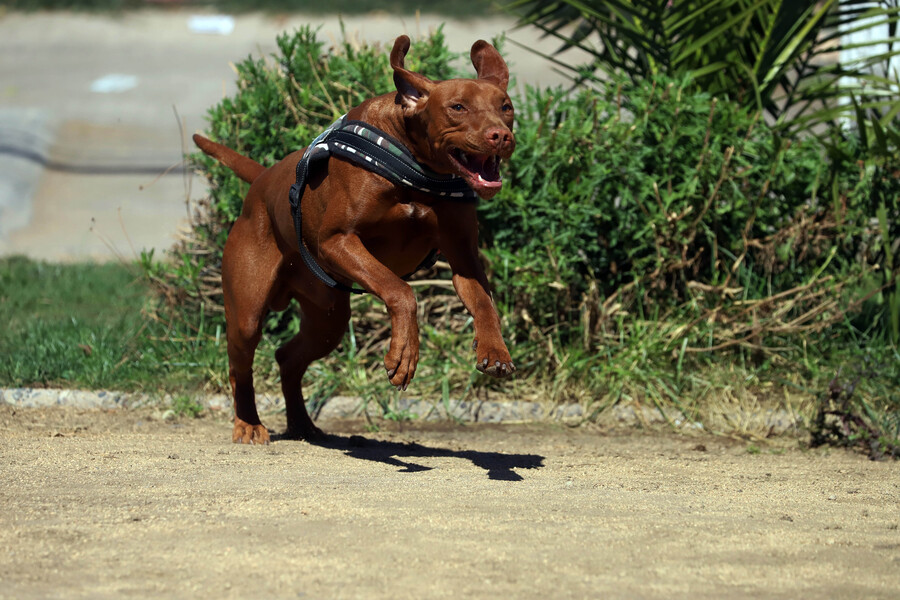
(335, 408)
(777, 422)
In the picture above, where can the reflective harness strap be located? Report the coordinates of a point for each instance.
(375, 151)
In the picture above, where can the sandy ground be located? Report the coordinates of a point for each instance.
(120, 504)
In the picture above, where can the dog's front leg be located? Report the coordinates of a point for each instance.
(459, 244)
(346, 254)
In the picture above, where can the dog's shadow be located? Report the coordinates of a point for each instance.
(498, 466)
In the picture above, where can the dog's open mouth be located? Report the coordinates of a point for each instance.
(481, 171)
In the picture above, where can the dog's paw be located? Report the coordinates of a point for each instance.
(244, 433)
(496, 363)
(401, 361)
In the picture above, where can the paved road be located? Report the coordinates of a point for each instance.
(100, 91)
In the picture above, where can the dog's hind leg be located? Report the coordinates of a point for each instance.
(321, 330)
(248, 276)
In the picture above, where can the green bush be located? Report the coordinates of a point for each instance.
(641, 230)
(660, 190)
(652, 193)
(870, 197)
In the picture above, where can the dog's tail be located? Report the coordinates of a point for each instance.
(245, 168)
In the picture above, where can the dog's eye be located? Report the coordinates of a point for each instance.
(506, 107)
(458, 107)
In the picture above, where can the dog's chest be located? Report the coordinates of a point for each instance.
(404, 235)
(415, 212)
(410, 220)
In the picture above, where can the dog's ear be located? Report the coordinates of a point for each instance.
(411, 87)
(489, 64)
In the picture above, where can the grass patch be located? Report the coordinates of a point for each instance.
(94, 326)
(68, 324)
(185, 406)
(84, 326)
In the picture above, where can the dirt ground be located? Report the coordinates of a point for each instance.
(122, 504)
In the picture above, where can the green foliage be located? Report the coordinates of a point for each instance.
(773, 56)
(645, 229)
(186, 406)
(83, 325)
(874, 150)
(652, 244)
(655, 187)
(53, 330)
(844, 418)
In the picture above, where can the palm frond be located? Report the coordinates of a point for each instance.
(775, 56)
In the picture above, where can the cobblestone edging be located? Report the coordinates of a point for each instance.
(775, 421)
(337, 407)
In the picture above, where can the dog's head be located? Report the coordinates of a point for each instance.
(459, 126)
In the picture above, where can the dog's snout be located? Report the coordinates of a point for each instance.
(498, 137)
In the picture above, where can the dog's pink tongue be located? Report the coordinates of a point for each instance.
(483, 187)
(488, 183)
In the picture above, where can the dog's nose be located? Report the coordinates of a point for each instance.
(498, 137)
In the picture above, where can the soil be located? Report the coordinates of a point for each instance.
(123, 504)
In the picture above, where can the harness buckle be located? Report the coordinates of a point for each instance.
(294, 196)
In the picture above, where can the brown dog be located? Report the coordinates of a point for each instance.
(362, 228)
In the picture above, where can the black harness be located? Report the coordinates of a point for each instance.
(376, 151)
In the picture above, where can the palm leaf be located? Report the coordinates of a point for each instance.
(772, 49)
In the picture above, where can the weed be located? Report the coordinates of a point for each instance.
(186, 406)
(844, 419)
